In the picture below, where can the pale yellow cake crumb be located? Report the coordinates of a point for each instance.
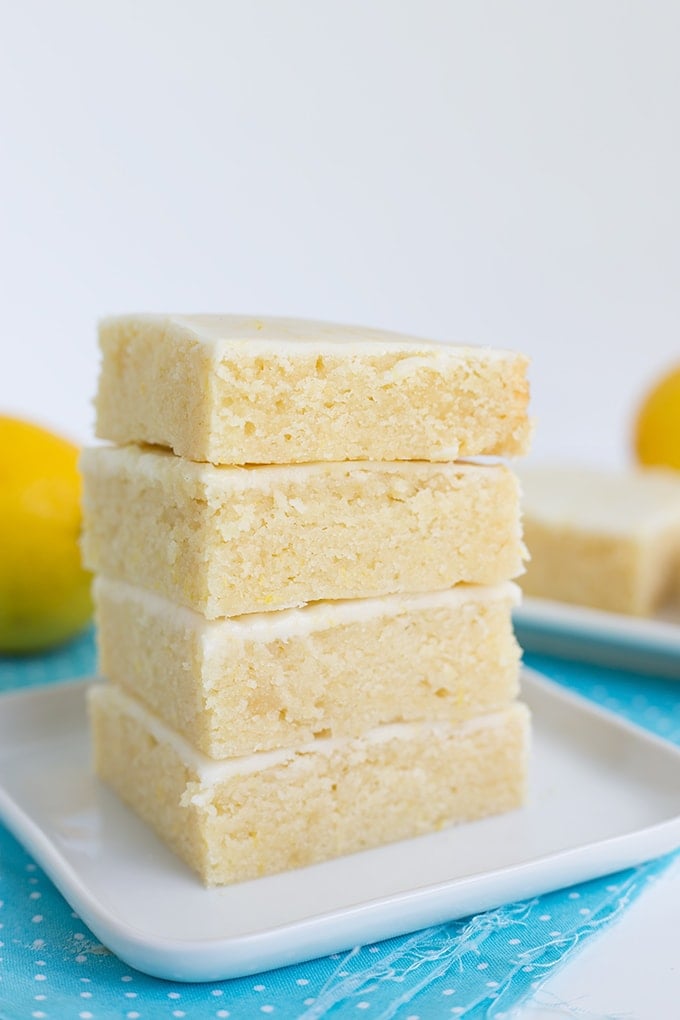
(238, 390)
(246, 818)
(605, 539)
(258, 682)
(227, 541)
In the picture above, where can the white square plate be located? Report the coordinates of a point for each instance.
(604, 795)
(610, 639)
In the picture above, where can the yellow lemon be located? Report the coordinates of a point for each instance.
(44, 590)
(657, 427)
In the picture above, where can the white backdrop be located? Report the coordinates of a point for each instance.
(494, 172)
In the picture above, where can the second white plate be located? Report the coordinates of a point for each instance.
(610, 639)
(604, 795)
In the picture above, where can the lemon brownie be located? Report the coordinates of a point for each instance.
(237, 390)
(258, 814)
(269, 680)
(229, 540)
(606, 539)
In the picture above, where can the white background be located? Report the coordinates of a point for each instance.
(492, 172)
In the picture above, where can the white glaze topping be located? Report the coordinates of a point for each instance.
(289, 623)
(159, 464)
(210, 771)
(631, 502)
(230, 334)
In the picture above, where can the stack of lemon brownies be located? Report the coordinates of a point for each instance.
(303, 585)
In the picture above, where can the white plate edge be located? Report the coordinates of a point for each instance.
(645, 634)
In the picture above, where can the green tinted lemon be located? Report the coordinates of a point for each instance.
(44, 590)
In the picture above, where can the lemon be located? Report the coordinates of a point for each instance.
(44, 590)
(657, 426)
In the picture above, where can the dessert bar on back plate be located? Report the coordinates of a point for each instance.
(605, 539)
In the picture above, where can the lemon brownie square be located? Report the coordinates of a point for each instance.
(237, 390)
(255, 815)
(228, 540)
(605, 539)
(270, 680)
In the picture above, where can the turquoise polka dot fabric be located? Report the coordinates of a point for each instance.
(51, 966)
